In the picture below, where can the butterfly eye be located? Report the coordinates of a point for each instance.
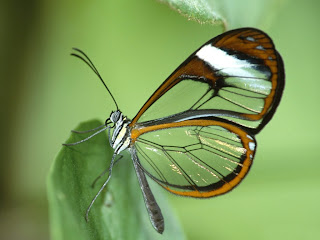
(107, 122)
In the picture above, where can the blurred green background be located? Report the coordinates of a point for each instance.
(136, 45)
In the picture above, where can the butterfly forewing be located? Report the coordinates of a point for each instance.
(236, 76)
(198, 158)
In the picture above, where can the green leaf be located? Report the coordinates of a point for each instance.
(197, 10)
(230, 13)
(118, 213)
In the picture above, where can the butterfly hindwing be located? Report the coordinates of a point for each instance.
(196, 158)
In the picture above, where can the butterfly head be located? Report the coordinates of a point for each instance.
(116, 117)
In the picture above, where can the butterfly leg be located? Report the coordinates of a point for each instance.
(87, 131)
(83, 140)
(104, 172)
(102, 187)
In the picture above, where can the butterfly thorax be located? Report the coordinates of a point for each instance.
(120, 139)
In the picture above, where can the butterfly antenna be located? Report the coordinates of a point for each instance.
(87, 60)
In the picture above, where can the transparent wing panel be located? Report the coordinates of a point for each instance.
(177, 99)
(195, 159)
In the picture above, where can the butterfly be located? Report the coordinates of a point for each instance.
(195, 135)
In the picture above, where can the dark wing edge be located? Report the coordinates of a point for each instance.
(277, 98)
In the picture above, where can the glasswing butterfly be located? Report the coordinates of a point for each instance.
(195, 136)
